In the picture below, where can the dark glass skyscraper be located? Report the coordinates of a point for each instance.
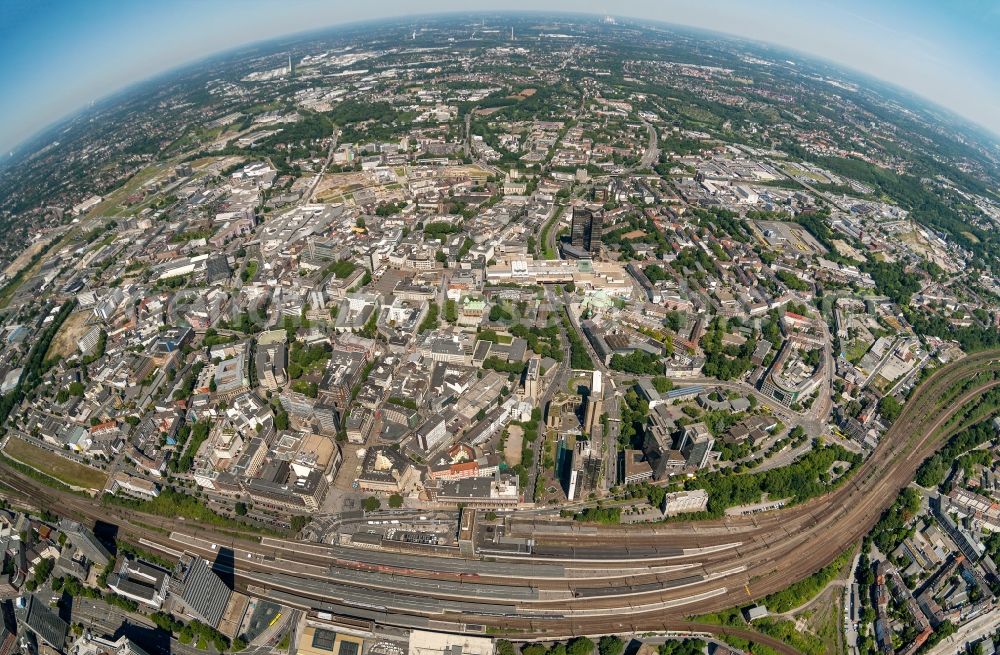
(586, 229)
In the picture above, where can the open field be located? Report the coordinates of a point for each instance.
(515, 443)
(69, 334)
(855, 350)
(821, 616)
(526, 93)
(847, 251)
(24, 258)
(60, 468)
(111, 205)
(339, 184)
(30, 272)
(472, 170)
(796, 171)
(341, 187)
(790, 235)
(214, 164)
(824, 617)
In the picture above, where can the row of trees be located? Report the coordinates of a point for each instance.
(637, 362)
(430, 321)
(189, 440)
(504, 366)
(802, 591)
(172, 504)
(606, 645)
(806, 478)
(35, 368)
(579, 358)
(935, 469)
(196, 632)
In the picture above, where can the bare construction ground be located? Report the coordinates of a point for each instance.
(69, 334)
(25, 257)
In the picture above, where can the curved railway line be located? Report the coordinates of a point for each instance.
(608, 579)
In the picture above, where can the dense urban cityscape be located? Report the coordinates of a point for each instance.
(502, 334)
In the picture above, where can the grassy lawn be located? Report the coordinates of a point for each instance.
(110, 205)
(795, 171)
(549, 450)
(856, 350)
(823, 620)
(822, 617)
(250, 271)
(577, 381)
(60, 468)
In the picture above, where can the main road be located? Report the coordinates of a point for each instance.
(578, 579)
(652, 153)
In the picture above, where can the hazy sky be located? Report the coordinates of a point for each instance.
(59, 55)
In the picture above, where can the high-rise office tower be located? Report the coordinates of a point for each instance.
(586, 229)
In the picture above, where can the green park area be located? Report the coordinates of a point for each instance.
(54, 465)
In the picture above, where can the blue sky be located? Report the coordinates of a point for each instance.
(59, 55)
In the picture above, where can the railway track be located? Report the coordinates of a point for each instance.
(667, 572)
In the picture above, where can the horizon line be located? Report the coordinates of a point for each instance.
(17, 149)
